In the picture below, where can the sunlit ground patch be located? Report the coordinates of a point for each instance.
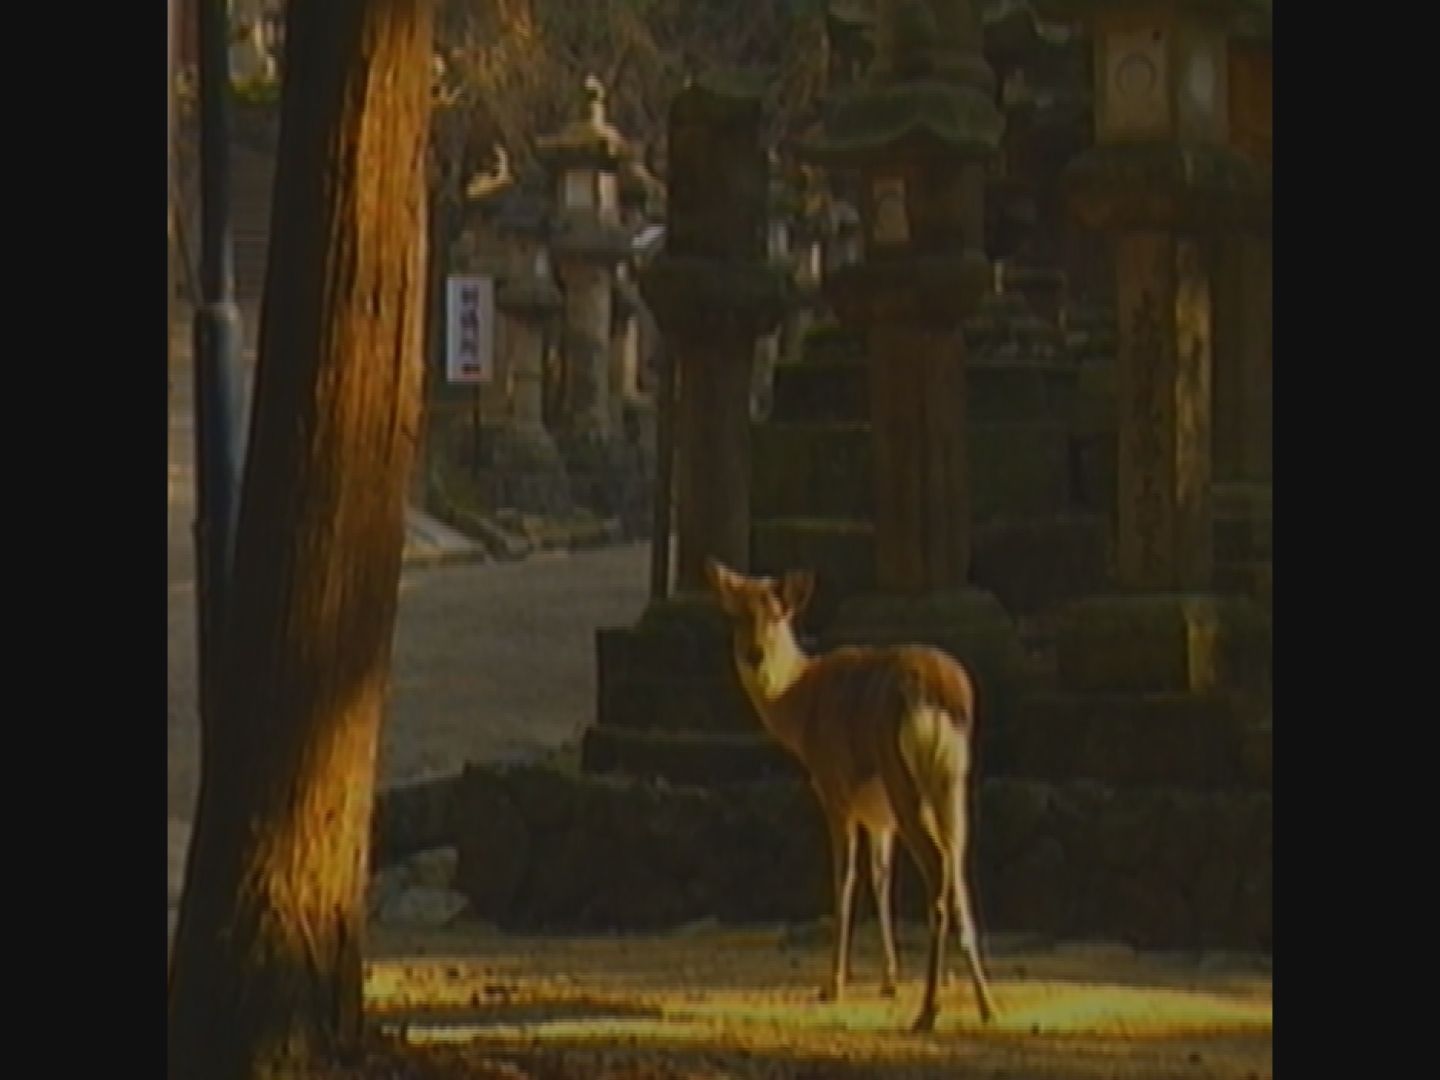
(754, 994)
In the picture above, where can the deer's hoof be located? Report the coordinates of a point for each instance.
(830, 993)
(925, 1022)
(887, 988)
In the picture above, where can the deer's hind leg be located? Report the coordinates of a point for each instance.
(844, 840)
(882, 850)
(955, 825)
(921, 837)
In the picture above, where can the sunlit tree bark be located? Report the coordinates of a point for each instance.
(266, 973)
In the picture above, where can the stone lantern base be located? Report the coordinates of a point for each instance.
(1156, 690)
(1185, 643)
(1244, 529)
(527, 472)
(611, 477)
(670, 704)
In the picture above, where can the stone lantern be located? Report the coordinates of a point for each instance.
(1164, 181)
(669, 701)
(588, 241)
(918, 133)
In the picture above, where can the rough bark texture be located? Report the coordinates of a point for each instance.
(266, 977)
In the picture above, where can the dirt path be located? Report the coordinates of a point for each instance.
(733, 1003)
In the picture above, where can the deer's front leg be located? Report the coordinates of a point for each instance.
(843, 842)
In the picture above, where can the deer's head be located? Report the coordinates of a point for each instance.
(762, 614)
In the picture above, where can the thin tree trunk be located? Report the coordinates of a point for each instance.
(266, 977)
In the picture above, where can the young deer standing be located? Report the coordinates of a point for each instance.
(885, 736)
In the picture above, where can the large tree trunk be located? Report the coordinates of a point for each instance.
(266, 976)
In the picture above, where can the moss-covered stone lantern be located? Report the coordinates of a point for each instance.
(669, 702)
(918, 132)
(1164, 181)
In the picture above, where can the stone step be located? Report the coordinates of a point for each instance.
(1036, 563)
(1187, 741)
(670, 675)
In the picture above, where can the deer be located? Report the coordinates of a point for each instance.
(884, 735)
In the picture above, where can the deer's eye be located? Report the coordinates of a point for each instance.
(754, 655)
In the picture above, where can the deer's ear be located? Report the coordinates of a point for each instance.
(796, 590)
(722, 582)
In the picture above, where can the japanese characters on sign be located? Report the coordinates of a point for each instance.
(470, 328)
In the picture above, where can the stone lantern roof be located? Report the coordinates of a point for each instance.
(1168, 181)
(511, 205)
(590, 140)
(928, 89)
(1244, 16)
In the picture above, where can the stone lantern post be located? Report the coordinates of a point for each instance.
(669, 701)
(1164, 181)
(588, 241)
(714, 292)
(918, 132)
(529, 471)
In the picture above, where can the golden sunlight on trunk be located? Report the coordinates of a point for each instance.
(266, 976)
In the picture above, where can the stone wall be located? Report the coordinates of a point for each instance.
(543, 849)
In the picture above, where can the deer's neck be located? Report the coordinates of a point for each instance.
(769, 688)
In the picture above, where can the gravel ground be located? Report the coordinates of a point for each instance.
(714, 1002)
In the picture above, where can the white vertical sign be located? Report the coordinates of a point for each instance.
(469, 328)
